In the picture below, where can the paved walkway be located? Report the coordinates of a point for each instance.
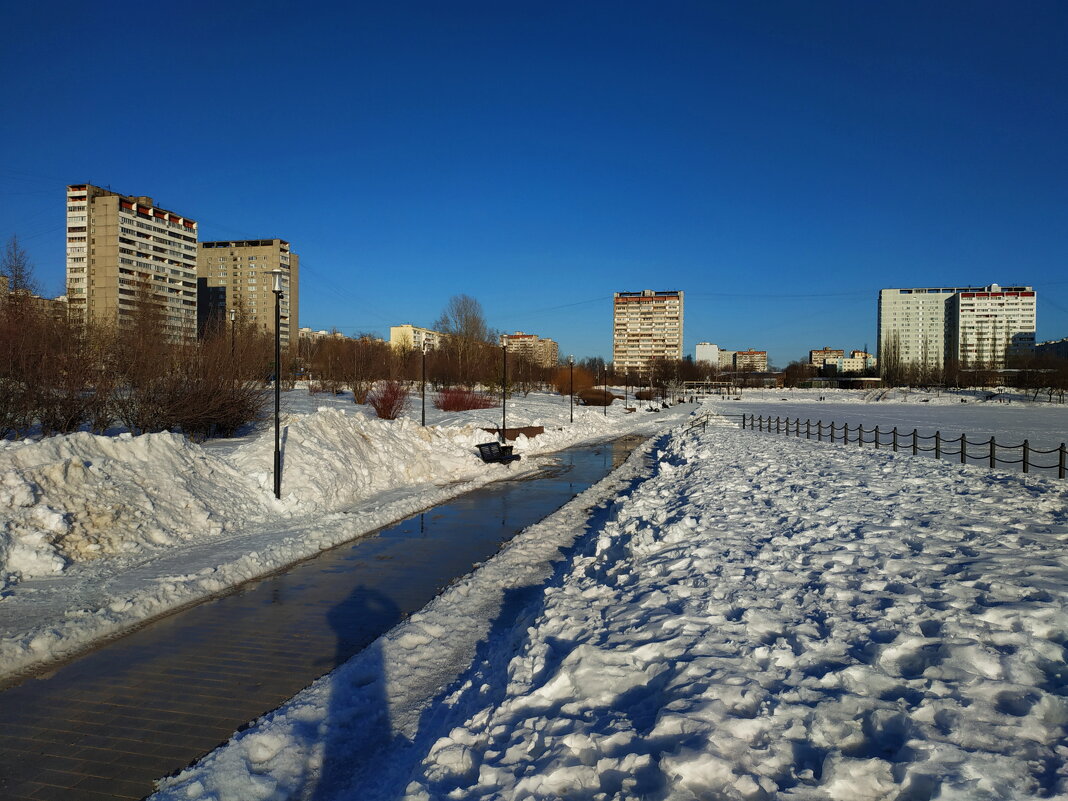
(105, 726)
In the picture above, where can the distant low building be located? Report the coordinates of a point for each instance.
(754, 360)
(412, 337)
(1058, 348)
(856, 362)
(817, 358)
(537, 350)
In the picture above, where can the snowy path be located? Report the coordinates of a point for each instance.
(147, 525)
(760, 618)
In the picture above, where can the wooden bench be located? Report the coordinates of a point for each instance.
(495, 452)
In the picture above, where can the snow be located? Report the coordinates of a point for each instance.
(99, 533)
(732, 614)
(742, 616)
(1044, 424)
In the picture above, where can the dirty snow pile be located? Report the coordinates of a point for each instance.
(79, 497)
(98, 533)
(760, 618)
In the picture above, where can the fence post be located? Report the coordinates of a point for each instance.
(993, 452)
(1026, 456)
(938, 445)
(895, 439)
(860, 435)
(819, 431)
(808, 429)
(797, 428)
(778, 430)
(1060, 462)
(915, 441)
(876, 437)
(963, 450)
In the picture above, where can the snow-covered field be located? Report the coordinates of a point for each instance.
(743, 616)
(100, 533)
(1045, 425)
(750, 617)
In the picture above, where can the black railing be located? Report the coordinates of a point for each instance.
(986, 450)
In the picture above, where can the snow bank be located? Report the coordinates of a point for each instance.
(81, 497)
(333, 458)
(761, 618)
(98, 534)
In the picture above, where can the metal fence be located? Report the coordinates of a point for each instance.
(983, 451)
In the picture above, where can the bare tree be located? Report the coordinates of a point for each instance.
(463, 326)
(16, 267)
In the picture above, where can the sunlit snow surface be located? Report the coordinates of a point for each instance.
(750, 617)
(98, 533)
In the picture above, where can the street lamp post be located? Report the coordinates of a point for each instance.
(277, 289)
(571, 386)
(605, 368)
(504, 393)
(233, 324)
(423, 390)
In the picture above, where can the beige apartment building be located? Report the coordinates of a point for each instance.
(754, 360)
(123, 251)
(412, 337)
(537, 350)
(236, 275)
(646, 326)
(972, 325)
(817, 358)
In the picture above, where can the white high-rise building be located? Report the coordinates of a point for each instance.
(990, 325)
(923, 326)
(707, 352)
(647, 326)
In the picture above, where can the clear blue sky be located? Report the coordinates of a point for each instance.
(777, 161)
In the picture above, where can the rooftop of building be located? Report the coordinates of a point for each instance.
(244, 243)
(143, 201)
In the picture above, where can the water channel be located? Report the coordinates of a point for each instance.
(107, 724)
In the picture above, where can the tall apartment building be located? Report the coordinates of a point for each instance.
(647, 325)
(413, 337)
(926, 326)
(122, 253)
(236, 274)
(537, 350)
(989, 326)
(708, 353)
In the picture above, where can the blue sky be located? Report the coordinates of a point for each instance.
(778, 161)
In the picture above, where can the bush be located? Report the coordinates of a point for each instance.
(389, 399)
(645, 395)
(562, 380)
(597, 397)
(454, 399)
